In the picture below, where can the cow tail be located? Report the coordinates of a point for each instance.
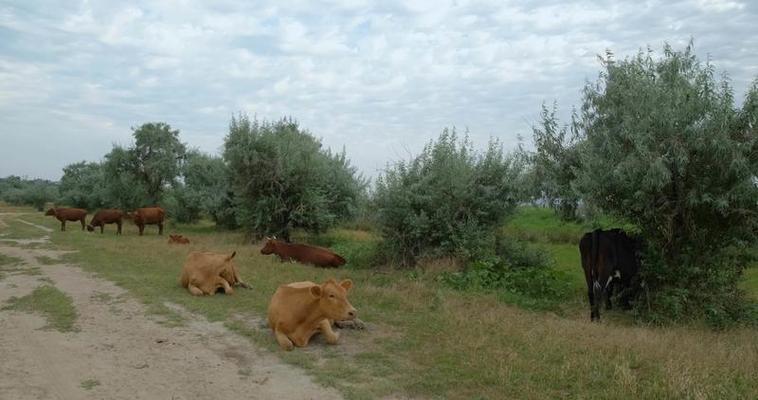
(594, 254)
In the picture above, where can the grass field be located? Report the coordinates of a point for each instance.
(425, 340)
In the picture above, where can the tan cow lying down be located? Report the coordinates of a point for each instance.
(299, 310)
(178, 239)
(204, 273)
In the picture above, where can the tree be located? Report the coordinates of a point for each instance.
(82, 185)
(555, 163)
(122, 188)
(157, 156)
(667, 149)
(283, 179)
(205, 187)
(448, 200)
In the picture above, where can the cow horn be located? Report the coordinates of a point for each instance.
(232, 256)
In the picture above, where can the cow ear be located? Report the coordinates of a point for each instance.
(346, 284)
(316, 291)
(273, 237)
(232, 256)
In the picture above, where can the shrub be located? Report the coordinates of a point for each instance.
(447, 201)
(282, 178)
(667, 150)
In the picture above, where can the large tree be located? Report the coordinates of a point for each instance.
(158, 155)
(282, 178)
(667, 149)
(82, 185)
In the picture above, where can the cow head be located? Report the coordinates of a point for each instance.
(50, 212)
(270, 246)
(90, 228)
(333, 299)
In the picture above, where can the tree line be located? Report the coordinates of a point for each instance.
(658, 142)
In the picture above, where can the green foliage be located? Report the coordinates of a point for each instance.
(36, 193)
(83, 185)
(555, 163)
(283, 179)
(139, 175)
(667, 150)
(447, 201)
(521, 273)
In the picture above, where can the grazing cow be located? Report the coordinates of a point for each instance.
(178, 239)
(610, 260)
(205, 273)
(148, 216)
(68, 214)
(302, 253)
(103, 217)
(299, 310)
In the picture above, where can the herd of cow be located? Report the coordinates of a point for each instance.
(299, 310)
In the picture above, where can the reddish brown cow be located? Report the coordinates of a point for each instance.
(149, 216)
(178, 239)
(68, 214)
(303, 253)
(108, 216)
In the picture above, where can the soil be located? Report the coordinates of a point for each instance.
(118, 352)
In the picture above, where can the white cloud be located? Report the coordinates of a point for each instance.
(378, 78)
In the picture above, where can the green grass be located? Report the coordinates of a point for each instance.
(425, 340)
(89, 384)
(54, 305)
(45, 260)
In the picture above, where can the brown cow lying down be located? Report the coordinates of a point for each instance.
(302, 253)
(103, 217)
(204, 273)
(178, 239)
(68, 214)
(299, 310)
(148, 216)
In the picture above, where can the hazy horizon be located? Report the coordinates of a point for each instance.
(379, 79)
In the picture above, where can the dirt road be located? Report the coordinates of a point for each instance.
(117, 352)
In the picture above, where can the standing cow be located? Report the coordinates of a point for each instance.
(68, 214)
(149, 216)
(108, 216)
(610, 260)
(302, 253)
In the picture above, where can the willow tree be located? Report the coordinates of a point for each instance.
(667, 149)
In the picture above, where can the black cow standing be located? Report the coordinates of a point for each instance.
(610, 260)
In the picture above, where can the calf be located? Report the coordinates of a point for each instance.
(299, 310)
(68, 214)
(103, 217)
(178, 239)
(610, 260)
(302, 253)
(204, 273)
(148, 216)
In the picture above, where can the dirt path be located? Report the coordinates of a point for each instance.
(119, 353)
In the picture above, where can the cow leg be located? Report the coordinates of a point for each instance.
(63, 226)
(102, 228)
(195, 290)
(160, 228)
(598, 295)
(283, 340)
(83, 224)
(227, 289)
(118, 231)
(141, 229)
(326, 329)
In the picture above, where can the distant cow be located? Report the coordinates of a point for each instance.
(148, 216)
(108, 216)
(610, 259)
(178, 239)
(68, 214)
(299, 310)
(302, 253)
(204, 273)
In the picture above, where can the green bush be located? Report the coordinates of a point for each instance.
(82, 185)
(282, 179)
(667, 150)
(449, 200)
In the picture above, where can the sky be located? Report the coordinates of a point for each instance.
(380, 79)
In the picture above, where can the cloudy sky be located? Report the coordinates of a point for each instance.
(379, 78)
